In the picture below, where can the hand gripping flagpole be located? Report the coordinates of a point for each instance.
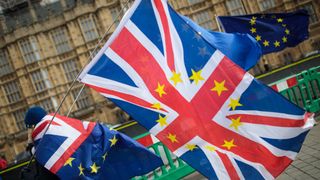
(75, 79)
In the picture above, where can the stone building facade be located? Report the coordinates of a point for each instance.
(45, 44)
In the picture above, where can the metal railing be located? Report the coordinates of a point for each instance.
(306, 93)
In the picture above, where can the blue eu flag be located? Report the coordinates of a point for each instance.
(274, 32)
(242, 49)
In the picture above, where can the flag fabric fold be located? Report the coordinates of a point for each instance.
(274, 32)
(73, 149)
(204, 107)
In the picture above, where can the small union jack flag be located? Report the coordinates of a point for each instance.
(200, 104)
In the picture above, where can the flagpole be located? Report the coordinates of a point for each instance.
(74, 81)
(218, 24)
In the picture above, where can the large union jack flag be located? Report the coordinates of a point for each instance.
(201, 105)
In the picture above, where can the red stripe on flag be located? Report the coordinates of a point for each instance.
(126, 97)
(228, 166)
(166, 30)
(72, 122)
(41, 127)
(271, 121)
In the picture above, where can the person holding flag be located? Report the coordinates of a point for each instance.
(74, 149)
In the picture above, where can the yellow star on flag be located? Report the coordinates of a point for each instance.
(69, 162)
(94, 168)
(284, 39)
(258, 38)
(253, 30)
(287, 31)
(156, 106)
(276, 43)
(81, 170)
(234, 103)
(229, 144)
(252, 22)
(196, 76)
(104, 156)
(210, 148)
(254, 18)
(265, 43)
(162, 120)
(172, 138)
(176, 78)
(236, 123)
(280, 20)
(219, 87)
(191, 147)
(113, 141)
(160, 90)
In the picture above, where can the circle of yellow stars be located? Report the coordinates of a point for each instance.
(265, 42)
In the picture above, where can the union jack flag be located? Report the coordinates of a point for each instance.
(201, 105)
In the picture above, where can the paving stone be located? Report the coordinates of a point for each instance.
(291, 170)
(310, 160)
(313, 171)
(316, 164)
(301, 165)
(304, 177)
(316, 176)
(284, 177)
(306, 168)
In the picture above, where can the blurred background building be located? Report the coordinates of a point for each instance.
(44, 44)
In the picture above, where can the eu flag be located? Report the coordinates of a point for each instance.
(87, 150)
(274, 32)
(242, 49)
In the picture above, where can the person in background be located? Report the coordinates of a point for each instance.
(3, 162)
(32, 117)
